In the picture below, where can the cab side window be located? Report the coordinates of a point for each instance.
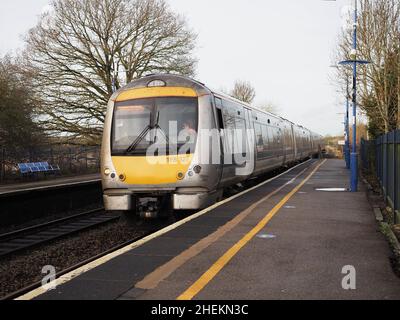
(218, 105)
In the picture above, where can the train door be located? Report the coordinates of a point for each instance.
(288, 143)
(232, 118)
(220, 126)
(294, 142)
(250, 137)
(284, 143)
(312, 142)
(280, 144)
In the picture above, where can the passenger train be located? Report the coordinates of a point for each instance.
(171, 143)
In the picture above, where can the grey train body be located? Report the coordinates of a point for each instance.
(275, 142)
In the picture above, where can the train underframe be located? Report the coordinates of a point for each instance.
(159, 204)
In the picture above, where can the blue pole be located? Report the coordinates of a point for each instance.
(347, 141)
(353, 155)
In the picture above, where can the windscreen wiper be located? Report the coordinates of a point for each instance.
(156, 125)
(136, 142)
(138, 139)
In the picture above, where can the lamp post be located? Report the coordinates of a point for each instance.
(347, 131)
(354, 62)
(353, 154)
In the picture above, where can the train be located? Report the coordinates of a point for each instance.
(172, 143)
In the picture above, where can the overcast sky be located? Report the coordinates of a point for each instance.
(282, 47)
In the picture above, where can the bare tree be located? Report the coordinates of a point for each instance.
(243, 91)
(379, 43)
(82, 50)
(18, 127)
(269, 107)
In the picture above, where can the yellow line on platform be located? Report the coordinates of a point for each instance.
(153, 279)
(196, 287)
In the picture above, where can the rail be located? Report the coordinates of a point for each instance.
(22, 239)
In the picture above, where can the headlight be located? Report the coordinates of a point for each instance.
(107, 171)
(180, 175)
(197, 169)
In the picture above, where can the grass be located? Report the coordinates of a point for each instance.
(391, 237)
(390, 230)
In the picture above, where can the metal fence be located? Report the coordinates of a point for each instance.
(71, 159)
(382, 157)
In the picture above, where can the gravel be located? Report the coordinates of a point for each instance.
(23, 269)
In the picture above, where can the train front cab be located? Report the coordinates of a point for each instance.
(172, 176)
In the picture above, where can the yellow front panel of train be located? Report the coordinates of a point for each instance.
(153, 169)
(143, 170)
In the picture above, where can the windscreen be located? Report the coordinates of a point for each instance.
(171, 123)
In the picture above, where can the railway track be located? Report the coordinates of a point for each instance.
(37, 284)
(19, 240)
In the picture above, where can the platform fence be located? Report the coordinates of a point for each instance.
(382, 158)
(72, 160)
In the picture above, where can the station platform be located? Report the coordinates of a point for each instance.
(13, 188)
(283, 239)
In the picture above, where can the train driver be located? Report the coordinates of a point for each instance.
(187, 134)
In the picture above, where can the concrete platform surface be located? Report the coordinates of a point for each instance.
(282, 240)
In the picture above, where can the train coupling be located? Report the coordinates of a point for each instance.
(152, 207)
(148, 208)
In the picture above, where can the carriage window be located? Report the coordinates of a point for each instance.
(240, 136)
(229, 129)
(277, 136)
(266, 137)
(234, 128)
(259, 137)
